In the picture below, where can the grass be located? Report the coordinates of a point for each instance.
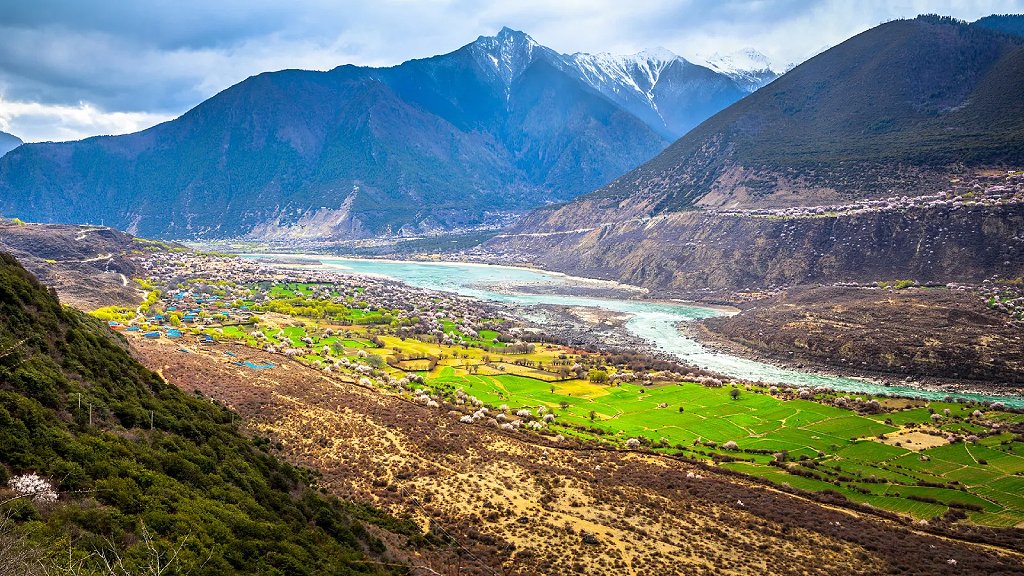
(850, 458)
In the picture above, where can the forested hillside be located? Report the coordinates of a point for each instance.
(130, 467)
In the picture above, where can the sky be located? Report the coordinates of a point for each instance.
(77, 68)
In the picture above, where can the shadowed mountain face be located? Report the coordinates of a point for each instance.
(8, 142)
(909, 108)
(1007, 23)
(469, 138)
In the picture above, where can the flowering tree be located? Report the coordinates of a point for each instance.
(34, 486)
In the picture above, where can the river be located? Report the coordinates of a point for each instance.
(655, 322)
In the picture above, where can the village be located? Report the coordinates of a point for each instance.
(298, 311)
(966, 192)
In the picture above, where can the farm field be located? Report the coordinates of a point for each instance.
(522, 501)
(930, 461)
(802, 443)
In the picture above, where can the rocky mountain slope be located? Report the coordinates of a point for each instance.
(857, 165)
(962, 234)
(88, 266)
(8, 142)
(915, 332)
(462, 140)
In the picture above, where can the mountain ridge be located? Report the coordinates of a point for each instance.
(462, 140)
(8, 142)
(929, 108)
(718, 163)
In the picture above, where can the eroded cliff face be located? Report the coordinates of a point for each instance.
(690, 252)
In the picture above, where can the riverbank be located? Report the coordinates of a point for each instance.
(898, 384)
(932, 338)
(645, 325)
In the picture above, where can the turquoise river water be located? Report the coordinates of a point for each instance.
(655, 322)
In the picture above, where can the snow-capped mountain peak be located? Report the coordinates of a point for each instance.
(745, 60)
(638, 72)
(508, 53)
(659, 53)
(663, 89)
(748, 67)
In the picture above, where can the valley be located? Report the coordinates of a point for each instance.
(511, 309)
(526, 503)
(490, 389)
(476, 362)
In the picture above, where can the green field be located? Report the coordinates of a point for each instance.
(825, 447)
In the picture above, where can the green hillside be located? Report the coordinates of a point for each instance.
(129, 455)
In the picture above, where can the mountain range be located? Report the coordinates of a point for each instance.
(466, 139)
(760, 194)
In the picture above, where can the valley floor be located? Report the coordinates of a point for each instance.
(514, 504)
(607, 462)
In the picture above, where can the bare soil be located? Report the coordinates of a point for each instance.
(86, 265)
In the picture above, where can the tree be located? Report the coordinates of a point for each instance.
(597, 376)
(593, 415)
(735, 393)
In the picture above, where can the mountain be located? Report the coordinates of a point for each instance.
(930, 106)
(1006, 23)
(749, 68)
(8, 142)
(890, 109)
(127, 466)
(670, 94)
(466, 139)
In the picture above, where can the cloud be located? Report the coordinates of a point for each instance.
(35, 122)
(158, 59)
